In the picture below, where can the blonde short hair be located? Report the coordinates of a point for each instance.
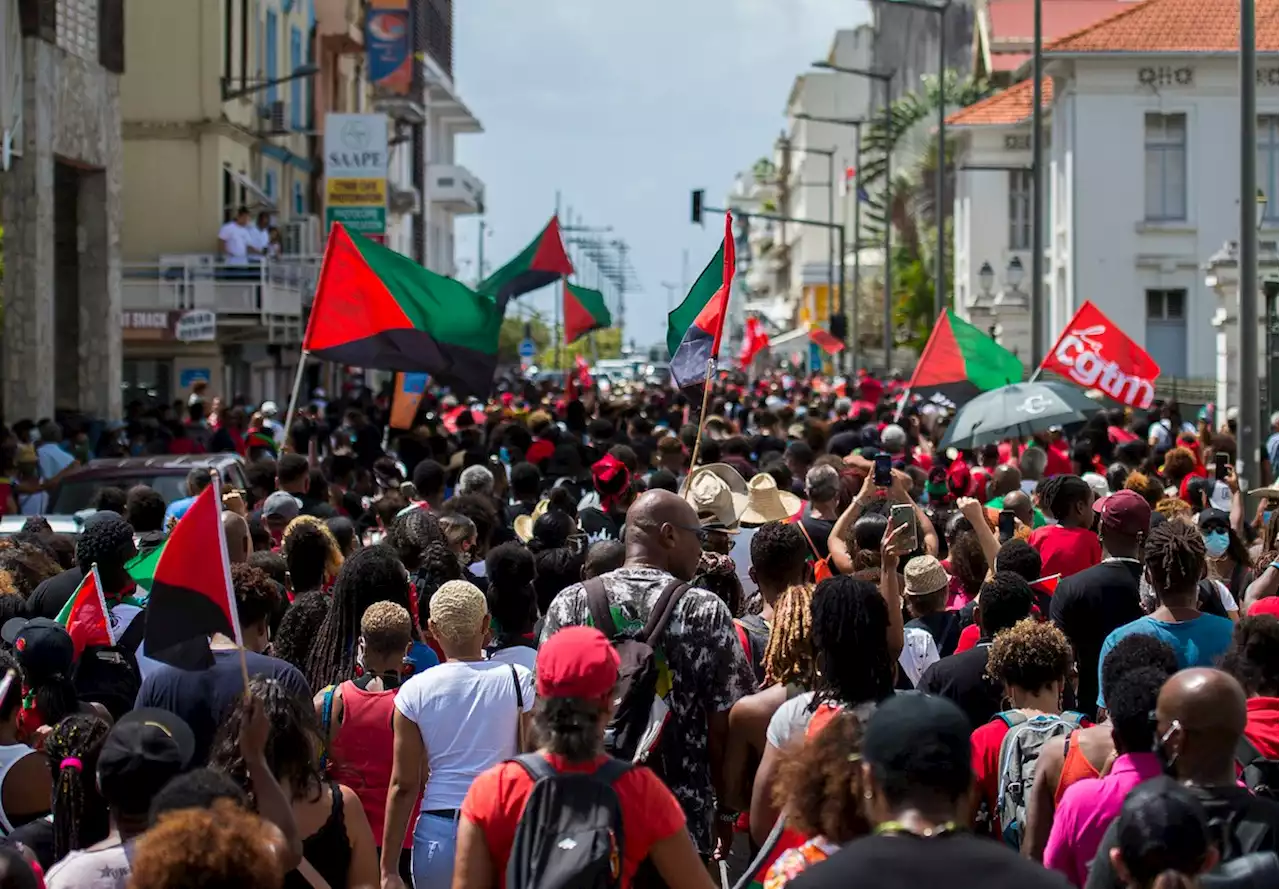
(386, 627)
(457, 609)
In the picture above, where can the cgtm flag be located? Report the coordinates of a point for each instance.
(191, 594)
(959, 361)
(755, 339)
(377, 308)
(537, 265)
(1093, 352)
(584, 311)
(85, 616)
(695, 326)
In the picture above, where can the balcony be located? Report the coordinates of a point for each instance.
(262, 301)
(455, 188)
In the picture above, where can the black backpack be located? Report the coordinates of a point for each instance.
(640, 713)
(109, 675)
(570, 833)
(753, 633)
(1259, 774)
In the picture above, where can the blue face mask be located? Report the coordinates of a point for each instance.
(1215, 543)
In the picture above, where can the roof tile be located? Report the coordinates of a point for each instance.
(1174, 26)
(1005, 108)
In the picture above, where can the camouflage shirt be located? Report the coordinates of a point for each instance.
(708, 671)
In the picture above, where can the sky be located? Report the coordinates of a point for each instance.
(623, 108)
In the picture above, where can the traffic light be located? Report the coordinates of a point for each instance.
(697, 206)
(839, 327)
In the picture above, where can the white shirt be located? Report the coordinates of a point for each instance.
(522, 655)
(52, 458)
(467, 712)
(259, 238)
(236, 239)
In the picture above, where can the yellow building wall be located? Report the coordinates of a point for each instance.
(175, 60)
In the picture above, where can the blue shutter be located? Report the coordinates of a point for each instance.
(295, 87)
(269, 184)
(299, 205)
(273, 50)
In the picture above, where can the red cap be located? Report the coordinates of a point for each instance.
(1125, 511)
(1270, 605)
(577, 662)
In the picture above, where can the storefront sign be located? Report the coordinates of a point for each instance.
(355, 169)
(196, 326)
(191, 326)
(386, 39)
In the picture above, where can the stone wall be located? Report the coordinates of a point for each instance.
(71, 112)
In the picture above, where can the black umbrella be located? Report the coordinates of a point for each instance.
(1017, 411)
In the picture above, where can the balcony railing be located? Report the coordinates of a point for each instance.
(275, 287)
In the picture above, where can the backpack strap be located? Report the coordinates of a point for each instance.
(326, 720)
(662, 611)
(1012, 717)
(1073, 717)
(536, 765)
(598, 607)
(515, 678)
(743, 640)
(1246, 753)
(611, 770)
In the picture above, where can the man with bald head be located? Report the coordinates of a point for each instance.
(1200, 717)
(707, 666)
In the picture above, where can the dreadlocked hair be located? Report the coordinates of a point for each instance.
(438, 566)
(1174, 554)
(850, 636)
(788, 657)
(80, 816)
(373, 574)
(1061, 493)
(411, 533)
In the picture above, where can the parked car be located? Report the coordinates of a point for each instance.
(70, 525)
(166, 474)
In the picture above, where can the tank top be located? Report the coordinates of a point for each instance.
(1075, 767)
(327, 850)
(360, 754)
(9, 755)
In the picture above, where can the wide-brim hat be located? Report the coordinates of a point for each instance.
(924, 575)
(766, 502)
(718, 494)
(523, 525)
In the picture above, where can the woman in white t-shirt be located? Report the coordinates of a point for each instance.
(451, 723)
(513, 604)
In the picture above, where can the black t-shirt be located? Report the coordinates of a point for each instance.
(49, 598)
(1239, 822)
(819, 530)
(898, 861)
(1087, 606)
(943, 626)
(38, 837)
(962, 679)
(203, 697)
(599, 525)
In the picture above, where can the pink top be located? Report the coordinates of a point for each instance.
(1087, 809)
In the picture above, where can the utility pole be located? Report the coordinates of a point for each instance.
(1037, 191)
(1251, 408)
(480, 253)
(622, 290)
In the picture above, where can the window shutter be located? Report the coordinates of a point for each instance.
(111, 35)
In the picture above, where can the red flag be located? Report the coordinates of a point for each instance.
(1093, 352)
(577, 379)
(755, 339)
(825, 340)
(191, 596)
(85, 615)
(1047, 585)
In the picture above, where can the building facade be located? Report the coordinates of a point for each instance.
(61, 184)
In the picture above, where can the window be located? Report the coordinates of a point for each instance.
(272, 53)
(299, 200)
(269, 184)
(228, 195)
(1167, 330)
(244, 42)
(1166, 167)
(296, 116)
(77, 27)
(1166, 305)
(1269, 166)
(1021, 188)
(227, 19)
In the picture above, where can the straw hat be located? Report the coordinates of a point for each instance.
(766, 503)
(924, 575)
(523, 524)
(718, 494)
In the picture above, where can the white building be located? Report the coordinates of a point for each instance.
(1141, 179)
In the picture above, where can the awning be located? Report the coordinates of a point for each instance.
(252, 187)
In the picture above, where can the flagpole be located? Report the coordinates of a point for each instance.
(286, 445)
(702, 422)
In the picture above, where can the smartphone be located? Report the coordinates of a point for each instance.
(1006, 524)
(905, 514)
(884, 470)
(1220, 462)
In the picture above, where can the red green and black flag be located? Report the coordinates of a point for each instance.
(694, 327)
(191, 593)
(959, 361)
(377, 308)
(584, 311)
(537, 265)
(85, 616)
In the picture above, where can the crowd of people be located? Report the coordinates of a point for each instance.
(602, 641)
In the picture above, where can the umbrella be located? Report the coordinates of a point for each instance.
(1017, 410)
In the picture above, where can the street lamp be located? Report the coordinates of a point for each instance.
(884, 79)
(1013, 274)
(986, 278)
(257, 87)
(830, 155)
(940, 179)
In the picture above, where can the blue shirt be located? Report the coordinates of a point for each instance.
(177, 509)
(1197, 643)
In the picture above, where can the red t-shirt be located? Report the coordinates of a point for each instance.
(540, 450)
(969, 637)
(1065, 551)
(984, 759)
(1262, 726)
(497, 798)
(1059, 460)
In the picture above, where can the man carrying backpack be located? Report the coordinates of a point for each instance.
(701, 669)
(568, 814)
